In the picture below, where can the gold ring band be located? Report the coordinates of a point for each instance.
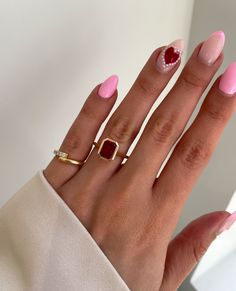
(70, 161)
(107, 150)
(64, 158)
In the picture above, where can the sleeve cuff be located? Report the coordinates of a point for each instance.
(44, 246)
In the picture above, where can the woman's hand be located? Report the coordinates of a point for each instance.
(128, 211)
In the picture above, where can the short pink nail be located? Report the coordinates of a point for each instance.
(108, 87)
(227, 223)
(212, 48)
(228, 80)
(170, 56)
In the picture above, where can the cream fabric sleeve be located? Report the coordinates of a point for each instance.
(43, 245)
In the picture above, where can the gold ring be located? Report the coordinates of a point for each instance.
(64, 158)
(108, 149)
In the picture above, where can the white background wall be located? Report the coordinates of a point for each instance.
(53, 52)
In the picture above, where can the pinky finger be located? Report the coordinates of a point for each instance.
(187, 248)
(80, 137)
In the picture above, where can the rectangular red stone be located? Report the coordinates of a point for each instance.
(108, 149)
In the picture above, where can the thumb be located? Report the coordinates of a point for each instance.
(186, 249)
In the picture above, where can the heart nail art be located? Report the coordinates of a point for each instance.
(170, 56)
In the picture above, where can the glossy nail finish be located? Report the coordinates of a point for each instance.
(227, 223)
(108, 87)
(228, 80)
(212, 48)
(170, 56)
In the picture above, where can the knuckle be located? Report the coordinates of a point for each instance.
(122, 130)
(72, 142)
(195, 154)
(87, 111)
(162, 129)
(191, 80)
(147, 86)
(216, 112)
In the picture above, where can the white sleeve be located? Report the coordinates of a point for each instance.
(43, 245)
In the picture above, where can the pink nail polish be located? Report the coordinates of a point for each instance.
(227, 223)
(228, 80)
(170, 56)
(108, 87)
(212, 48)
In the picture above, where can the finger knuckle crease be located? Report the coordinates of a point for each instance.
(162, 129)
(216, 112)
(191, 80)
(87, 112)
(195, 154)
(72, 142)
(122, 130)
(147, 86)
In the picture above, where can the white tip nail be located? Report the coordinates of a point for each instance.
(179, 44)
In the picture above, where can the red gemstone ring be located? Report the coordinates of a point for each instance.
(108, 149)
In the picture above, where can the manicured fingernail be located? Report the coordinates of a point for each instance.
(212, 48)
(170, 56)
(228, 80)
(108, 87)
(227, 223)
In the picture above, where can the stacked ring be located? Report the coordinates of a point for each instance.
(64, 158)
(107, 150)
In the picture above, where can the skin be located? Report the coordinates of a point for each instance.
(128, 211)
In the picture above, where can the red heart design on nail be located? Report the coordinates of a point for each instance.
(171, 56)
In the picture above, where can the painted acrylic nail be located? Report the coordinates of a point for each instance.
(227, 223)
(227, 82)
(108, 87)
(212, 48)
(170, 56)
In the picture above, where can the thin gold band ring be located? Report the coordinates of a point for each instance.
(64, 158)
